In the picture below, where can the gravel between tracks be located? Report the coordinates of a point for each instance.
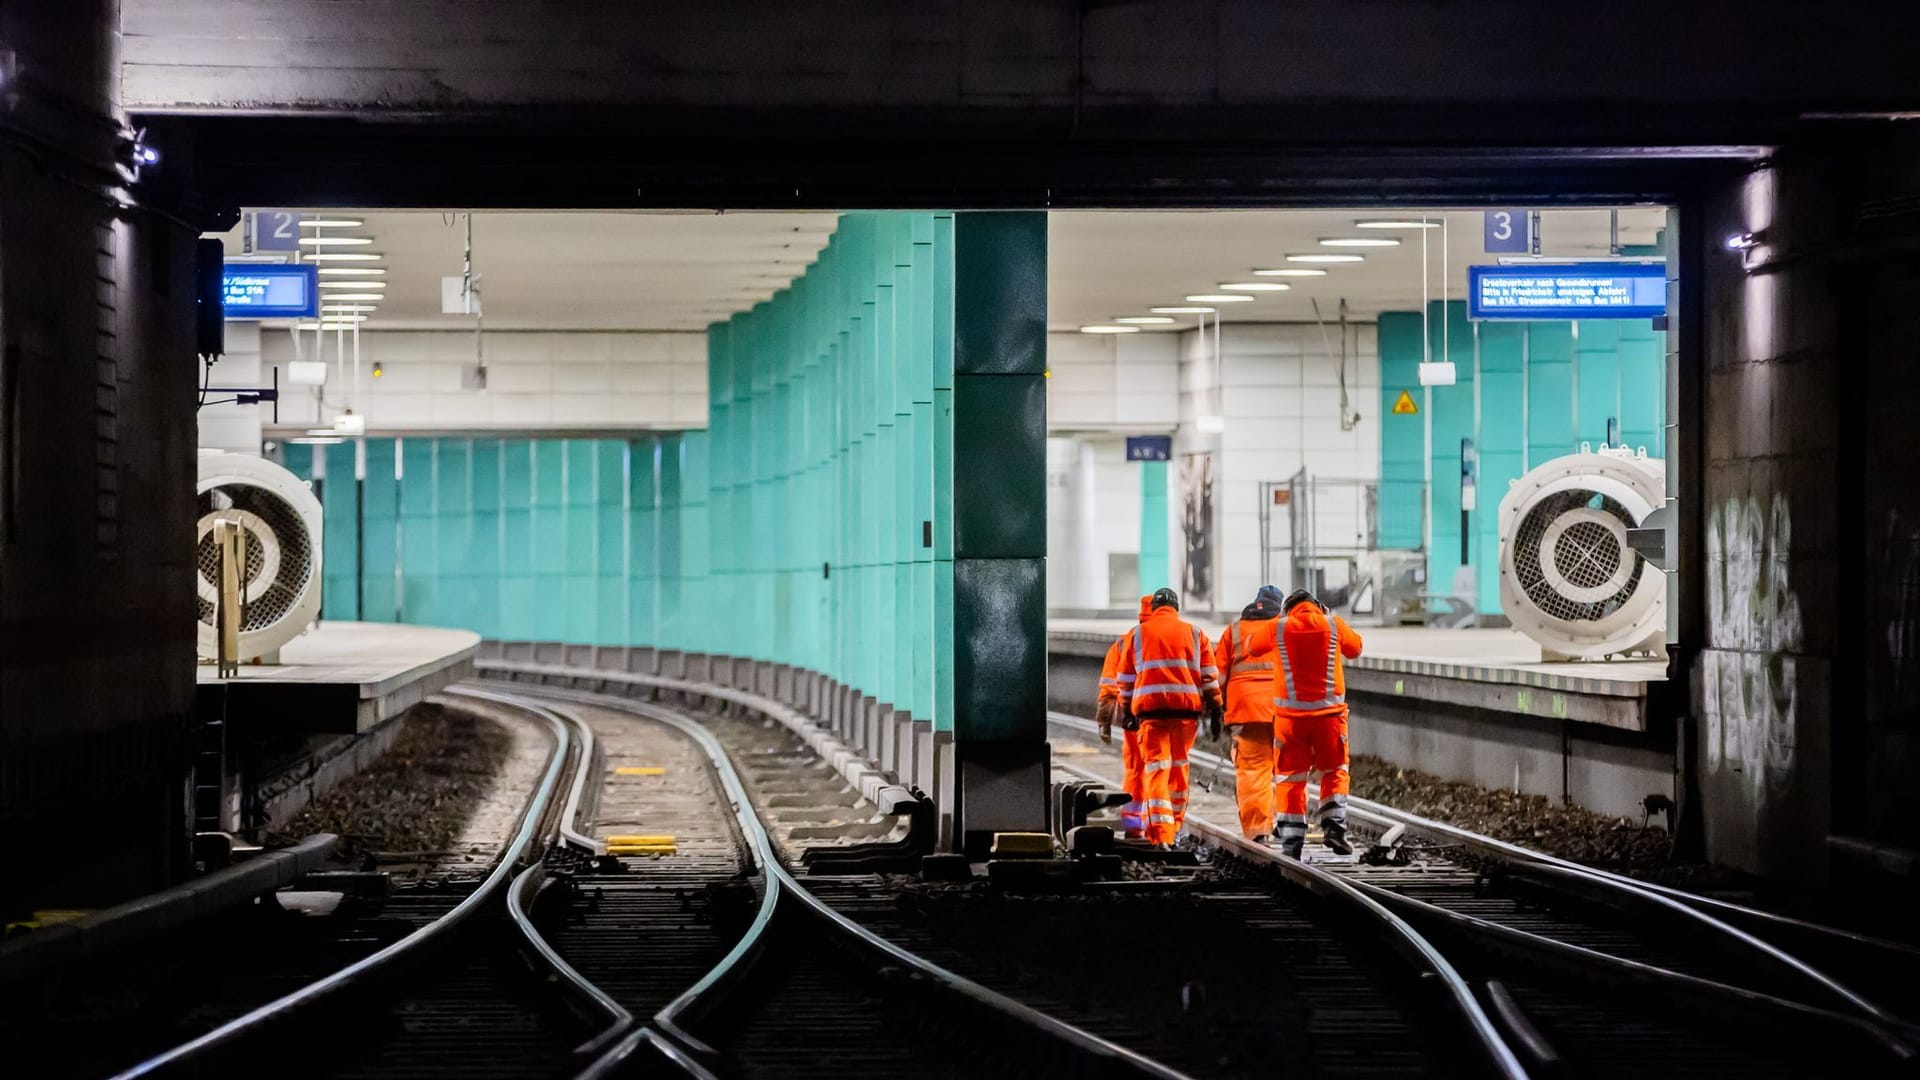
(1534, 821)
(441, 775)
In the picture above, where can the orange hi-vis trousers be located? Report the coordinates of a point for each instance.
(1303, 745)
(1163, 754)
(1253, 758)
(1133, 816)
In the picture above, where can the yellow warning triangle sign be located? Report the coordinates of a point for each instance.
(1404, 406)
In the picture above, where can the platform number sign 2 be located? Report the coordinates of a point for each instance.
(276, 230)
(1506, 232)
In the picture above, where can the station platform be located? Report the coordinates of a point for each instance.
(343, 678)
(1477, 706)
(1497, 670)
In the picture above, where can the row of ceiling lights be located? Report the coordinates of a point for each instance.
(1239, 292)
(350, 284)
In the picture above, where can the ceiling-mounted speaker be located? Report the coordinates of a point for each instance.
(1569, 578)
(280, 581)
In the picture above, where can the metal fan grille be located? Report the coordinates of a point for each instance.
(1588, 555)
(265, 605)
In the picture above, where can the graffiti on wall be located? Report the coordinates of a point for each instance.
(1749, 690)
(1901, 593)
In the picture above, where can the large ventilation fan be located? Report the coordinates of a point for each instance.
(280, 583)
(1568, 578)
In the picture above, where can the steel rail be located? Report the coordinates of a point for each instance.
(194, 1054)
(784, 893)
(1394, 930)
(1566, 875)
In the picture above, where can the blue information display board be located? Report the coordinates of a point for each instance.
(1576, 291)
(1149, 447)
(269, 291)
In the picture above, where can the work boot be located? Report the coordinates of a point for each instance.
(1334, 835)
(1291, 846)
(1263, 839)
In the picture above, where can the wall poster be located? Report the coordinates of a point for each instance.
(1196, 528)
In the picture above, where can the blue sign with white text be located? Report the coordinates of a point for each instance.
(1149, 448)
(1506, 232)
(269, 291)
(1572, 291)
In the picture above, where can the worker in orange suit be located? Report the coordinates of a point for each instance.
(1168, 682)
(1132, 817)
(1310, 720)
(1247, 650)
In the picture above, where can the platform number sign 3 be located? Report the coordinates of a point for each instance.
(276, 230)
(1506, 232)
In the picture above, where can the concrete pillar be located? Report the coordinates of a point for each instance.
(999, 524)
(96, 480)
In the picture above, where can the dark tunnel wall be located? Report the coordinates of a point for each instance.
(96, 470)
(1807, 689)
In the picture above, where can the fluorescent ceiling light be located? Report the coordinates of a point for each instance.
(353, 284)
(1180, 310)
(325, 270)
(348, 308)
(346, 256)
(1256, 286)
(1291, 271)
(1326, 258)
(1359, 241)
(1211, 298)
(1396, 223)
(306, 326)
(1109, 329)
(331, 223)
(1145, 320)
(334, 241)
(317, 440)
(355, 296)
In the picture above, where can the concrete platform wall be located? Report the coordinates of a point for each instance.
(1592, 767)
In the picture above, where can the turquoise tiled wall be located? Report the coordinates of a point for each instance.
(1542, 389)
(808, 525)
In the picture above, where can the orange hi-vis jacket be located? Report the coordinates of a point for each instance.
(1310, 679)
(1247, 649)
(1110, 668)
(1170, 671)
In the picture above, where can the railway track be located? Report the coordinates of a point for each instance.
(1207, 1011)
(1581, 965)
(802, 990)
(442, 978)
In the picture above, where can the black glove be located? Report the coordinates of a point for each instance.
(1129, 721)
(1103, 716)
(1216, 719)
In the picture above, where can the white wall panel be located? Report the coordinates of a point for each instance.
(534, 381)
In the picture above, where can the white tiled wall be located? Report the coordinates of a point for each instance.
(1119, 382)
(534, 380)
(1281, 402)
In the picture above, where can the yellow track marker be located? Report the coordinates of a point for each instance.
(662, 839)
(1075, 750)
(639, 770)
(642, 849)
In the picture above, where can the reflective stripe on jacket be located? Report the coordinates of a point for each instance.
(1170, 670)
(1311, 679)
(1247, 649)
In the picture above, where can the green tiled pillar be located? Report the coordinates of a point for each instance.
(999, 505)
(1155, 568)
(483, 553)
